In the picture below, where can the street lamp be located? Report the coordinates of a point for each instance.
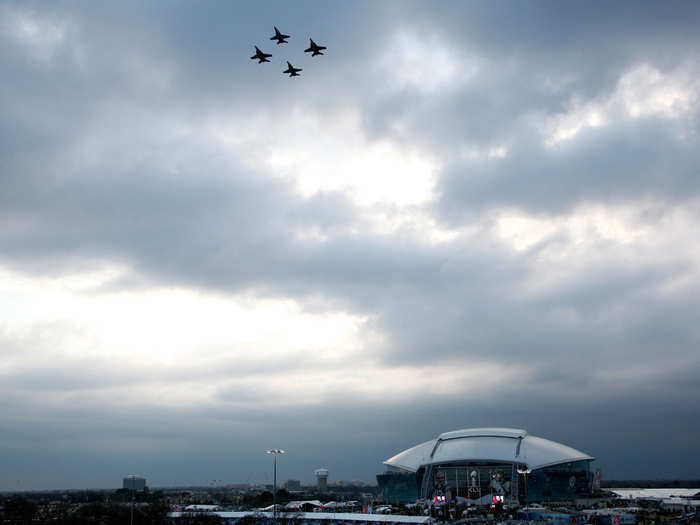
(274, 452)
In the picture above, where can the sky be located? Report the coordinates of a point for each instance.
(463, 214)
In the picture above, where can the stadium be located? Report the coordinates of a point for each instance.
(483, 466)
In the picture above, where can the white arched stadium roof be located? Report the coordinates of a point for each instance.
(487, 444)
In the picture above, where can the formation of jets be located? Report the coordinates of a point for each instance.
(281, 38)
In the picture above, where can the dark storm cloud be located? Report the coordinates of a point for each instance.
(531, 64)
(581, 46)
(616, 165)
(194, 446)
(487, 313)
(108, 156)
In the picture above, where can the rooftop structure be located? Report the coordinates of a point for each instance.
(492, 444)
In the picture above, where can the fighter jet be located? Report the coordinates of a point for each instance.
(293, 71)
(260, 56)
(281, 39)
(314, 49)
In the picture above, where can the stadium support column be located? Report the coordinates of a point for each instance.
(427, 478)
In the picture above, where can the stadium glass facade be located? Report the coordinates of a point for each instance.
(484, 482)
(477, 481)
(396, 487)
(564, 481)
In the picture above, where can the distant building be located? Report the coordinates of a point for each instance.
(134, 483)
(321, 479)
(292, 484)
(354, 483)
(487, 466)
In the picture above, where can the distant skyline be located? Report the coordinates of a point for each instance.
(462, 214)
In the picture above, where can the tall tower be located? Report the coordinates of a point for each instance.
(321, 479)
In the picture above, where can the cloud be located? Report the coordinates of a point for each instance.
(641, 92)
(461, 215)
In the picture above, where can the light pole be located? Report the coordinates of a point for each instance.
(274, 452)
